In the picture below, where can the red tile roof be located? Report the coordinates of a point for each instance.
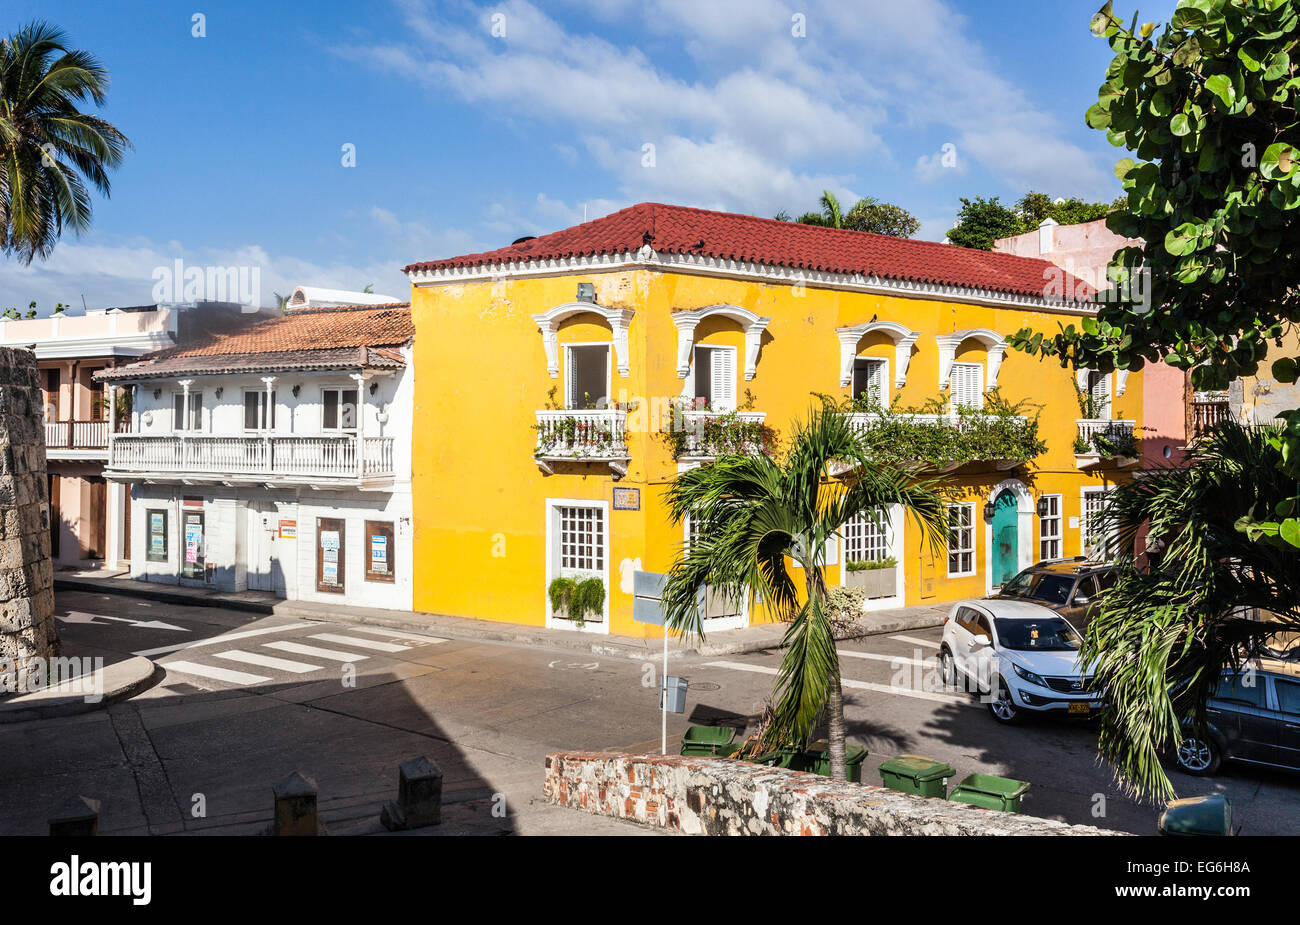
(309, 338)
(727, 235)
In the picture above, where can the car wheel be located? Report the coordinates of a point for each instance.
(1002, 707)
(1199, 757)
(947, 668)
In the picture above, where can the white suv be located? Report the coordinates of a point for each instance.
(1020, 656)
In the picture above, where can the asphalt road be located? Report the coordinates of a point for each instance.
(246, 700)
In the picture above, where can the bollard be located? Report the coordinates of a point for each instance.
(295, 807)
(76, 816)
(419, 797)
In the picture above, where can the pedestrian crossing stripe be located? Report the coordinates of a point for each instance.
(297, 648)
(267, 661)
(359, 643)
(858, 685)
(214, 673)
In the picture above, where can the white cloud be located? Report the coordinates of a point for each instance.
(122, 273)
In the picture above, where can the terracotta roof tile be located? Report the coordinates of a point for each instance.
(682, 230)
(303, 339)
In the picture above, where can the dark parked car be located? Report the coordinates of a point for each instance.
(1070, 587)
(1254, 716)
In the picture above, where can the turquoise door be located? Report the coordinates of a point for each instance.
(1006, 539)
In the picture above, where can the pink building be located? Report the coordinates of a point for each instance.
(1085, 250)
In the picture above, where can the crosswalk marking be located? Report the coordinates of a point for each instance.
(859, 685)
(394, 634)
(912, 640)
(216, 674)
(225, 638)
(267, 661)
(297, 648)
(896, 659)
(360, 643)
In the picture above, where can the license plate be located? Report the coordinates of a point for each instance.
(1080, 708)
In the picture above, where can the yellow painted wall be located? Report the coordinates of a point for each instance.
(480, 499)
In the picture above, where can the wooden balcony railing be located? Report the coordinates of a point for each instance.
(1205, 414)
(76, 435)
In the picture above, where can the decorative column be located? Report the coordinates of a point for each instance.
(185, 423)
(360, 380)
(269, 382)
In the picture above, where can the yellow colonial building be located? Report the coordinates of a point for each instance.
(564, 381)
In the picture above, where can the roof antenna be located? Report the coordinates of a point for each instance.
(584, 211)
(83, 303)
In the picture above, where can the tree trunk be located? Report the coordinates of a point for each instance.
(816, 581)
(835, 728)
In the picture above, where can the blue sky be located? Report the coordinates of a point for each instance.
(465, 140)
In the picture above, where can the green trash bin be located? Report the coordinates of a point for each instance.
(708, 741)
(990, 792)
(1209, 815)
(917, 775)
(786, 757)
(818, 760)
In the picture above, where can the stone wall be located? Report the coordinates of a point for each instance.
(27, 629)
(710, 796)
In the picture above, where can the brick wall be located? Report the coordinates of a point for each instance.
(27, 629)
(707, 796)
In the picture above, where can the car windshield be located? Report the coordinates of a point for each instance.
(1041, 586)
(1051, 635)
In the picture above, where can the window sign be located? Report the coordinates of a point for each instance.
(157, 551)
(329, 555)
(380, 550)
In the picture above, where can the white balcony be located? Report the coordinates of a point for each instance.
(582, 436)
(76, 439)
(701, 442)
(1101, 441)
(342, 461)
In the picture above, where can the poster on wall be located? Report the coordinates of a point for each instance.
(192, 566)
(379, 543)
(329, 555)
(157, 551)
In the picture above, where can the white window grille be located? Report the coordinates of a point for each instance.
(582, 539)
(1049, 529)
(961, 539)
(866, 539)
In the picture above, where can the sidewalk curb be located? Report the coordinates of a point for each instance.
(766, 636)
(129, 677)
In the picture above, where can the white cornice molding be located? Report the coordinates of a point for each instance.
(993, 342)
(902, 337)
(618, 319)
(647, 258)
(686, 322)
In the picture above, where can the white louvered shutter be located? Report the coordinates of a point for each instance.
(966, 386)
(1100, 388)
(571, 378)
(722, 382)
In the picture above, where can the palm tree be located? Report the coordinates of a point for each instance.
(1166, 629)
(756, 514)
(831, 215)
(47, 145)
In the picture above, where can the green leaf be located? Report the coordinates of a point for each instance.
(1103, 21)
(1123, 166)
(1187, 17)
(1248, 59)
(1221, 86)
(1178, 124)
(1289, 530)
(1286, 369)
(1279, 160)
(1096, 117)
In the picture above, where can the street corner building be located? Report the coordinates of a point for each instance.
(275, 457)
(565, 380)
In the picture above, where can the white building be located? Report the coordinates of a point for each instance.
(276, 458)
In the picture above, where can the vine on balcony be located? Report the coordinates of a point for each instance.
(725, 433)
(1000, 430)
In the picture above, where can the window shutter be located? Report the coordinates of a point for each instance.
(1101, 393)
(178, 411)
(965, 386)
(570, 378)
(723, 379)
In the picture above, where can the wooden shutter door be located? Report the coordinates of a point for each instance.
(723, 379)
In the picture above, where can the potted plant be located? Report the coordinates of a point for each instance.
(876, 578)
(574, 599)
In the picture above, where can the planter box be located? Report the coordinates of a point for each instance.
(715, 605)
(876, 582)
(563, 614)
